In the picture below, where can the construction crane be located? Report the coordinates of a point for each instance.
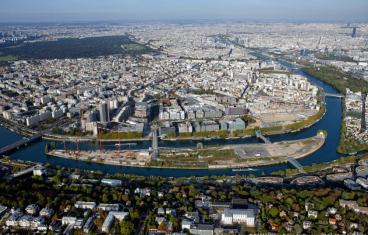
(76, 151)
(65, 150)
(118, 151)
(100, 145)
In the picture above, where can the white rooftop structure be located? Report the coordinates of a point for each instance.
(238, 216)
(119, 215)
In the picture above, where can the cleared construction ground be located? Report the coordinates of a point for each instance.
(230, 156)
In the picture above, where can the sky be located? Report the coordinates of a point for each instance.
(161, 10)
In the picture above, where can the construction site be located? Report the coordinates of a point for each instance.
(201, 157)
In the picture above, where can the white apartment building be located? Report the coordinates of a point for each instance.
(85, 205)
(238, 216)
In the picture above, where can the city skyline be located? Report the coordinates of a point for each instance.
(184, 117)
(166, 10)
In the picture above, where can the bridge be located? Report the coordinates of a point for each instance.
(26, 171)
(262, 137)
(334, 95)
(19, 144)
(296, 164)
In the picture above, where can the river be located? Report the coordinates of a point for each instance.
(331, 122)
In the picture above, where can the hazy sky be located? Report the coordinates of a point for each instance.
(100, 10)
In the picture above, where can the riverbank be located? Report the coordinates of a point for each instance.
(223, 157)
(336, 78)
(341, 81)
(284, 148)
(330, 122)
(346, 162)
(237, 134)
(244, 133)
(17, 128)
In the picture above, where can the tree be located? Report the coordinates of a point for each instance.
(174, 222)
(274, 212)
(348, 195)
(282, 231)
(192, 191)
(162, 227)
(255, 193)
(127, 228)
(263, 215)
(298, 229)
(289, 201)
(134, 215)
(105, 198)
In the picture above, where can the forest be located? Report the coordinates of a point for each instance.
(75, 48)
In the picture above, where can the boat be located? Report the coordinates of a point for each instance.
(126, 144)
(244, 169)
(232, 138)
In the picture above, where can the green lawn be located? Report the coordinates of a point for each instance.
(5, 58)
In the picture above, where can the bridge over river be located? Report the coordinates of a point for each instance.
(26, 171)
(259, 135)
(290, 160)
(19, 144)
(296, 164)
(334, 95)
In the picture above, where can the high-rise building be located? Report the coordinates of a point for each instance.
(354, 33)
(363, 127)
(104, 112)
(154, 142)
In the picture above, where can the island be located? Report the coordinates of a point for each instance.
(211, 157)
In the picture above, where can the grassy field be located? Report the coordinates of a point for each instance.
(120, 135)
(132, 47)
(5, 58)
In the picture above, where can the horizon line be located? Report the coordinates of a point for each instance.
(184, 20)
